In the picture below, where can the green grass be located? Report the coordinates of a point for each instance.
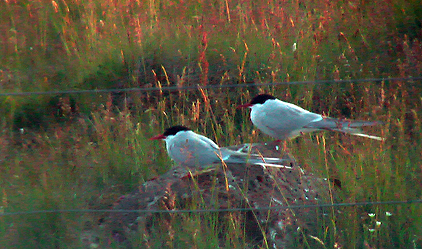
(85, 150)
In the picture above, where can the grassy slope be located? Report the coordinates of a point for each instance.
(92, 152)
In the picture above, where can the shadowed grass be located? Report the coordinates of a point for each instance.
(84, 151)
(108, 155)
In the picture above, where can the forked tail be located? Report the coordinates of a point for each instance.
(231, 156)
(346, 126)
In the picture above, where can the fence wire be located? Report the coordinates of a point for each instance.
(274, 208)
(196, 87)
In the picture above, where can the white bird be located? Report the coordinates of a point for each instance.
(282, 120)
(188, 148)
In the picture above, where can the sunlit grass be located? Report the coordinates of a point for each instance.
(84, 151)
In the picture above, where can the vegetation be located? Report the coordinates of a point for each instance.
(79, 151)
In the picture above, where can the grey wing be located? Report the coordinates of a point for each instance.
(208, 151)
(287, 120)
(208, 142)
(198, 150)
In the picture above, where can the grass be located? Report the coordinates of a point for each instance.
(84, 151)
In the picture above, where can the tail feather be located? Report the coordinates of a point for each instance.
(231, 156)
(356, 124)
(256, 159)
(368, 136)
(340, 123)
(346, 126)
(273, 165)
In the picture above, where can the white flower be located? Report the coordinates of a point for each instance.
(388, 213)
(371, 215)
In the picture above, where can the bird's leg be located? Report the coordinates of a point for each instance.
(286, 153)
(285, 146)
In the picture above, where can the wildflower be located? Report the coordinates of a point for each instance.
(371, 215)
(388, 213)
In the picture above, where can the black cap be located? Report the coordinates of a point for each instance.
(175, 129)
(261, 98)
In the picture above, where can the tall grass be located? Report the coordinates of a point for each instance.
(84, 151)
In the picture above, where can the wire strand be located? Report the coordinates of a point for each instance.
(170, 88)
(373, 203)
(196, 87)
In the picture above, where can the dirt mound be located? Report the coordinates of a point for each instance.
(222, 187)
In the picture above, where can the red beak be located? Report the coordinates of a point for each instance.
(244, 106)
(158, 137)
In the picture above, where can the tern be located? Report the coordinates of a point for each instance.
(282, 120)
(188, 148)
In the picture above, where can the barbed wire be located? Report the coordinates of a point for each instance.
(196, 87)
(274, 208)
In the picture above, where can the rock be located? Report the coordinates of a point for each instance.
(226, 187)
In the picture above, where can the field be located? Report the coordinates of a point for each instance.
(84, 150)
